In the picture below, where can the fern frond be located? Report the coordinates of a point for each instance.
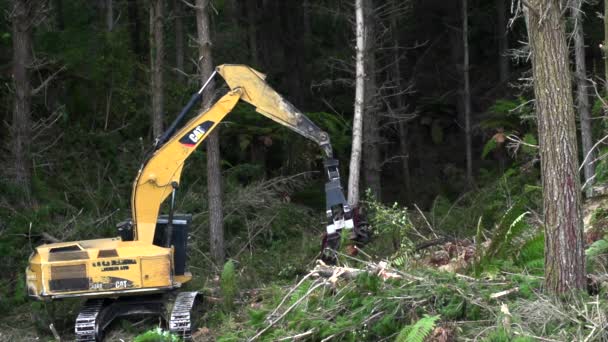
(599, 247)
(419, 331)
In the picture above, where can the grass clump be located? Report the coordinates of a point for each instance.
(157, 335)
(228, 286)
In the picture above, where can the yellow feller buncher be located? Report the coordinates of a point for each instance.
(140, 271)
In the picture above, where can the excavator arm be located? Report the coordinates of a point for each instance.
(159, 176)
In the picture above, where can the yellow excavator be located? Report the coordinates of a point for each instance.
(139, 271)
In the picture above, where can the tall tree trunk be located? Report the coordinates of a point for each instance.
(582, 94)
(467, 92)
(232, 10)
(606, 46)
(157, 51)
(179, 39)
(214, 174)
(371, 130)
(21, 17)
(355, 156)
(403, 127)
(252, 35)
(59, 19)
(564, 254)
(135, 28)
(503, 41)
(109, 7)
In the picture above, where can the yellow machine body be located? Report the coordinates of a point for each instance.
(112, 267)
(102, 267)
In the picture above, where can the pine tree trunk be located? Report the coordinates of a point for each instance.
(467, 92)
(157, 52)
(214, 174)
(582, 94)
(21, 16)
(403, 127)
(179, 39)
(252, 21)
(503, 41)
(135, 28)
(606, 45)
(355, 156)
(371, 130)
(109, 7)
(564, 254)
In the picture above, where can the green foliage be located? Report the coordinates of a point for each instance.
(510, 114)
(531, 255)
(418, 331)
(597, 256)
(392, 221)
(511, 225)
(157, 335)
(228, 285)
(488, 147)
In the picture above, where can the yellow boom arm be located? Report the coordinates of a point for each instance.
(160, 174)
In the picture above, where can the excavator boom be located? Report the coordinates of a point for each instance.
(159, 176)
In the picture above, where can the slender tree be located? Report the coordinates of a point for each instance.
(582, 94)
(157, 54)
(371, 130)
(503, 41)
(403, 127)
(466, 91)
(178, 13)
(214, 175)
(21, 16)
(605, 47)
(355, 156)
(252, 29)
(135, 29)
(109, 7)
(564, 254)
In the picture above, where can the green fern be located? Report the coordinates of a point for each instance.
(599, 247)
(532, 253)
(419, 331)
(596, 254)
(511, 225)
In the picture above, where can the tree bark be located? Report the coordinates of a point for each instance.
(371, 131)
(59, 19)
(467, 92)
(403, 127)
(582, 94)
(20, 130)
(109, 7)
(355, 156)
(135, 29)
(179, 39)
(564, 253)
(503, 41)
(606, 46)
(157, 51)
(214, 175)
(252, 35)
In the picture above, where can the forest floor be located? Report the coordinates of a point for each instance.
(406, 285)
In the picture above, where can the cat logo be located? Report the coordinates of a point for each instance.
(194, 136)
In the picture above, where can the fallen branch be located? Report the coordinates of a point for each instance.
(504, 293)
(286, 311)
(50, 238)
(298, 336)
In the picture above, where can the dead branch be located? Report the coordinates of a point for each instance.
(287, 311)
(46, 82)
(50, 238)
